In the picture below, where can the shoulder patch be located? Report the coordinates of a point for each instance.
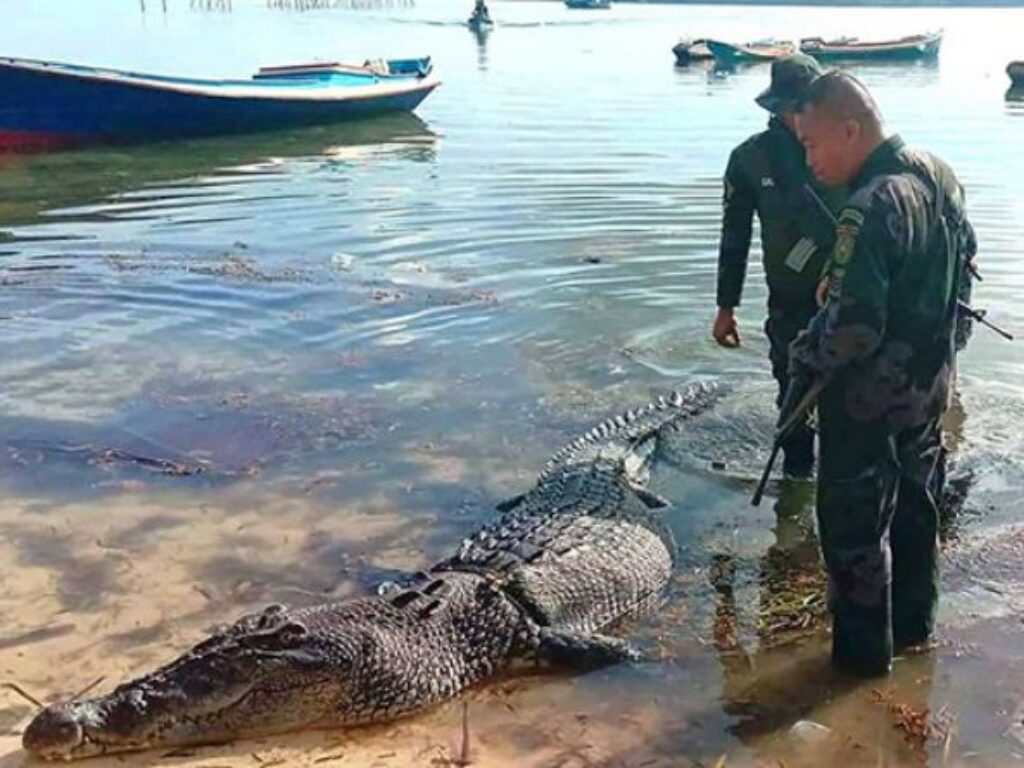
(851, 216)
(847, 229)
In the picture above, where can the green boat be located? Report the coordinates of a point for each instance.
(850, 48)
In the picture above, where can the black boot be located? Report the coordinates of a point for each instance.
(862, 640)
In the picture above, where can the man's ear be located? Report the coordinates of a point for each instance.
(799, 123)
(851, 131)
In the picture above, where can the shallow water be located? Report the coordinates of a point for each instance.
(334, 349)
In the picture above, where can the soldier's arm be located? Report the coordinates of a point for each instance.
(968, 243)
(850, 326)
(970, 239)
(954, 190)
(738, 203)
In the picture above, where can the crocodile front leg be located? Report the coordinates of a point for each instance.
(583, 651)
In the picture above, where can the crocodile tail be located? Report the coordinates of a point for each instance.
(635, 427)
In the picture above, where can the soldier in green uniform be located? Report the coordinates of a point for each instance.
(885, 340)
(767, 173)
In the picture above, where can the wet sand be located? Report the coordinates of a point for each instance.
(368, 334)
(95, 593)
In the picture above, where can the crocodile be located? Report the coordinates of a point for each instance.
(560, 566)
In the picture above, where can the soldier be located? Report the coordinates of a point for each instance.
(885, 340)
(767, 173)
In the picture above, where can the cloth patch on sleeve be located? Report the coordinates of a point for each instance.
(800, 254)
(847, 229)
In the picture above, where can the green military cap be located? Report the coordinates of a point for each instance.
(790, 77)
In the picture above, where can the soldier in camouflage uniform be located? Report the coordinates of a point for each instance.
(885, 339)
(767, 174)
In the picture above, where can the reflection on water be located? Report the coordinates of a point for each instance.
(481, 34)
(31, 184)
(350, 5)
(288, 366)
(222, 6)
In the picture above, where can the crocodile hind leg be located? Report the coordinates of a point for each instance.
(582, 651)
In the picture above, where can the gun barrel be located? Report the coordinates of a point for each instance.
(763, 482)
(819, 203)
(789, 422)
(979, 315)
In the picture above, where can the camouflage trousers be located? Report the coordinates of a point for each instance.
(878, 517)
(781, 327)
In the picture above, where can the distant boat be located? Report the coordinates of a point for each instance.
(46, 105)
(588, 4)
(763, 50)
(687, 51)
(914, 47)
(1015, 69)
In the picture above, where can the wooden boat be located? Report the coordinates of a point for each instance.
(687, 51)
(1015, 69)
(588, 4)
(46, 105)
(763, 50)
(914, 47)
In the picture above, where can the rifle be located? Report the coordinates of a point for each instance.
(975, 314)
(789, 418)
(979, 315)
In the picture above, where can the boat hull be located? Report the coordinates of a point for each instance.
(68, 107)
(925, 48)
(687, 51)
(727, 53)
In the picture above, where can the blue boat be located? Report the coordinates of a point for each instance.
(46, 105)
(589, 4)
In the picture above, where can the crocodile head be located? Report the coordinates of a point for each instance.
(266, 673)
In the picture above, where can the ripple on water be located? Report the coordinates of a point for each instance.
(369, 333)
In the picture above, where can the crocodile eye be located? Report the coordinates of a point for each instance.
(292, 633)
(269, 616)
(280, 638)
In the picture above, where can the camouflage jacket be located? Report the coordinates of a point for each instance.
(766, 174)
(886, 330)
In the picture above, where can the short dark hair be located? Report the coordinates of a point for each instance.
(842, 96)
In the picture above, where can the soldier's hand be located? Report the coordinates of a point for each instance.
(725, 330)
(821, 294)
